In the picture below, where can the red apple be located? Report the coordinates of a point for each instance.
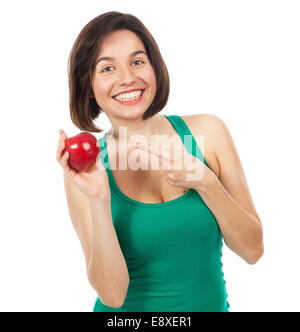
(83, 150)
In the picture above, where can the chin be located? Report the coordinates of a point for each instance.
(132, 113)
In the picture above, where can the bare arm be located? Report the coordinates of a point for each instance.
(229, 197)
(107, 268)
(80, 215)
(88, 199)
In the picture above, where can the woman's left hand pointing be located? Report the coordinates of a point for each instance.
(181, 169)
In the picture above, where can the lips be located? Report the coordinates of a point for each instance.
(128, 91)
(130, 102)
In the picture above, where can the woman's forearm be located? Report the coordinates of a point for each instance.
(107, 269)
(242, 232)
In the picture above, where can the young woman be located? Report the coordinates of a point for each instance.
(152, 239)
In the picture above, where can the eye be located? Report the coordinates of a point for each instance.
(139, 60)
(103, 71)
(105, 68)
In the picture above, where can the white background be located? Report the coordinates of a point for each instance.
(237, 59)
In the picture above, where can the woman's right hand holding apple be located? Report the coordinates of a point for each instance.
(93, 183)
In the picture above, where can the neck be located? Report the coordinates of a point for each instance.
(123, 129)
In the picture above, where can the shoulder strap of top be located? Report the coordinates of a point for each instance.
(189, 141)
(104, 153)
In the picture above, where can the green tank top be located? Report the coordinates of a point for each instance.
(172, 249)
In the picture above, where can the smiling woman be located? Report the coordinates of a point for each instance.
(125, 72)
(152, 239)
(94, 59)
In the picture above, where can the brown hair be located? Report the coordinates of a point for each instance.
(82, 62)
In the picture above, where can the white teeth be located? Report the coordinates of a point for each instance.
(129, 96)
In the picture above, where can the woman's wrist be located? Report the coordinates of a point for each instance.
(208, 182)
(102, 198)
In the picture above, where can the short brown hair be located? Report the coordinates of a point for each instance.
(82, 62)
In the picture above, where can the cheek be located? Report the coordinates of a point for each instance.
(101, 87)
(149, 77)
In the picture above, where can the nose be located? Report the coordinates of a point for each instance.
(126, 76)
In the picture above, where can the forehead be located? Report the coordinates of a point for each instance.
(121, 41)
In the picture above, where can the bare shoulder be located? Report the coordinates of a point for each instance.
(205, 121)
(231, 173)
(210, 127)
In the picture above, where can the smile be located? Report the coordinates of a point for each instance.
(130, 98)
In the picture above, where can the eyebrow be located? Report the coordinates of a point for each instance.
(108, 58)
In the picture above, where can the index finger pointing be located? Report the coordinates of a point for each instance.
(149, 148)
(164, 156)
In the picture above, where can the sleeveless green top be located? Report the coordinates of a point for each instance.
(172, 249)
